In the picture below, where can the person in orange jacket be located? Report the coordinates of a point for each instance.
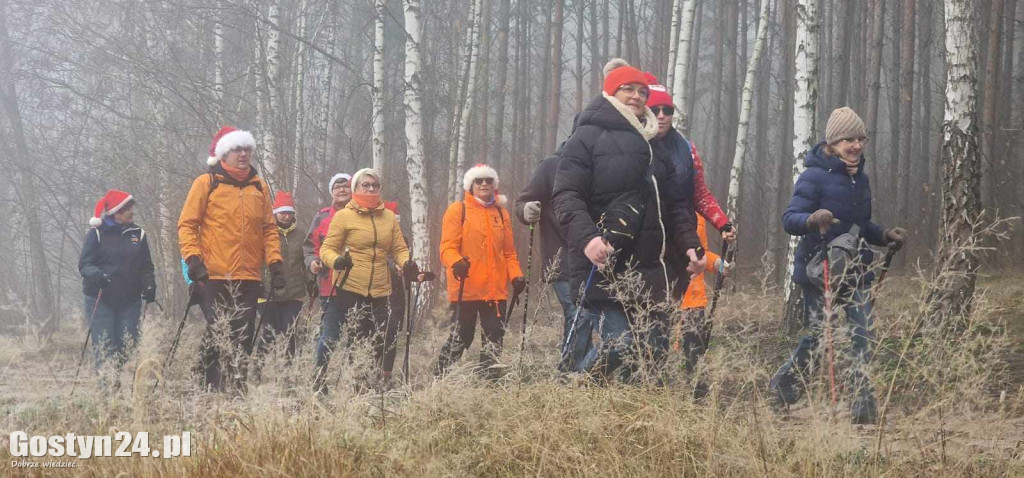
(692, 328)
(478, 249)
(227, 233)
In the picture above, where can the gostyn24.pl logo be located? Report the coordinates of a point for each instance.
(84, 447)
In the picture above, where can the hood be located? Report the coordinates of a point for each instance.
(609, 113)
(816, 158)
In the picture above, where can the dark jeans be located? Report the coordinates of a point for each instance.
(235, 302)
(461, 337)
(616, 353)
(279, 321)
(788, 382)
(373, 323)
(114, 330)
(695, 335)
(581, 337)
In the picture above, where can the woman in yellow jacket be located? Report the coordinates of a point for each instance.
(692, 329)
(478, 250)
(360, 240)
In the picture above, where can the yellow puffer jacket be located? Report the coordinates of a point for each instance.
(372, 236)
(231, 227)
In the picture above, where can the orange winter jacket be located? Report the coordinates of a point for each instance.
(371, 236)
(485, 237)
(696, 294)
(230, 225)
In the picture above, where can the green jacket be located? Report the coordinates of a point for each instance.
(295, 273)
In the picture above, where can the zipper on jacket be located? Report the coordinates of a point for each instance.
(661, 222)
(373, 261)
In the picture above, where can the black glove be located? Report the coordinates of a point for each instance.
(461, 269)
(149, 293)
(518, 285)
(277, 281)
(98, 279)
(343, 263)
(428, 276)
(410, 271)
(197, 270)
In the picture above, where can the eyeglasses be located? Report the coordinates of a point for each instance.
(370, 186)
(668, 110)
(239, 149)
(861, 140)
(341, 185)
(634, 90)
(482, 181)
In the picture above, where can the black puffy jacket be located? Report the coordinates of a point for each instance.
(122, 253)
(607, 161)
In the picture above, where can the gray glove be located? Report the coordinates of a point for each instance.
(531, 212)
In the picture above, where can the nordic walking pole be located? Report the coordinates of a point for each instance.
(576, 318)
(408, 328)
(729, 253)
(88, 333)
(828, 330)
(526, 301)
(177, 335)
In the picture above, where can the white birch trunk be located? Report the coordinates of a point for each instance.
(463, 124)
(273, 65)
(414, 134)
(805, 98)
(377, 92)
(732, 206)
(673, 42)
(682, 64)
(298, 156)
(951, 290)
(218, 68)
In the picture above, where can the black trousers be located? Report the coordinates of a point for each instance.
(225, 365)
(493, 323)
(279, 321)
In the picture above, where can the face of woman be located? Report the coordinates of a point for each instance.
(126, 215)
(850, 149)
(634, 96)
(238, 158)
(367, 185)
(342, 192)
(483, 188)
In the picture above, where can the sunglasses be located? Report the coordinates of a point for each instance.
(668, 110)
(482, 181)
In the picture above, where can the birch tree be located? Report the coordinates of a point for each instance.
(414, 132)
(673, 42)
(951, 292)
(457, 161)
(736, 172)
(377, 91)
(805, 98)
(680, 75)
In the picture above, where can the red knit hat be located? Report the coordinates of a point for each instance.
(617, 72)
(225, 140)
(110, 203)
(657, 93)
(283, 202)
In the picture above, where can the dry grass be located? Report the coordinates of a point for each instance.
(953, 408)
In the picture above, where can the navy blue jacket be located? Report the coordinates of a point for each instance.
(825, 185)
(122, 253)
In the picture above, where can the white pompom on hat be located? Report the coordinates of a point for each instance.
(110, 203)
(225, 140)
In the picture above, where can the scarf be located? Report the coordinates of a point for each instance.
(238, 174)
(289, 229)
(367, 200)
(487, 203)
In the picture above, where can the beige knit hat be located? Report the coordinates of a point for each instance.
(844, 123)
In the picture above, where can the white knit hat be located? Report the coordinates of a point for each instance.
(480, 170)
(336, 178)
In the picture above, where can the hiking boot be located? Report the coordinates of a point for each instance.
(786, 388)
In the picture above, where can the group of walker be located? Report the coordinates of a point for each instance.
(624, 195)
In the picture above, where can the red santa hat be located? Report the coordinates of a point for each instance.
(283, 202)
(657, 94)
(110, 203)
(225, 140)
